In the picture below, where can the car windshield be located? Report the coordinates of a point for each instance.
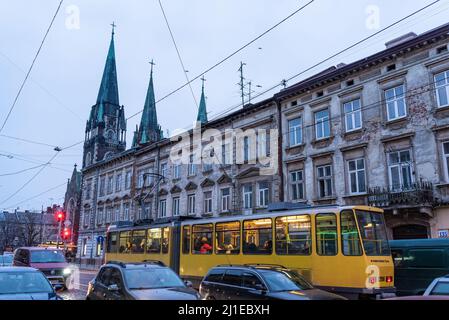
(47, 256)
(152, 278)
(24, 282)
(283, 280)
(374, 233)
(441, 289)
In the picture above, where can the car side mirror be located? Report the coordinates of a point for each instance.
(260, 287)
(58, 287)
(188, 283)
(113, 288)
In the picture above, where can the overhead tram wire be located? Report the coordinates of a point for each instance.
(38, 195)
(38, 173)
(331, 57)
(31, 67)
(230, 55)
(21, 171)
(179, 54)
(28, 141)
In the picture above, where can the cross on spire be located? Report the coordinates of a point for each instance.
(152, 64)
(203, 80)
(113, 27)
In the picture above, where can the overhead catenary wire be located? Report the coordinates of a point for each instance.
(31, 67)
(330, 57)
(178, 53)
(21, 171)
(230, 55)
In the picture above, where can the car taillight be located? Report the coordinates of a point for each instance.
(389, 279)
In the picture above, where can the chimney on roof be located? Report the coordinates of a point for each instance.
(401, 39)
(341, 65)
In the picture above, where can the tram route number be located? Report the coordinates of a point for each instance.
(225, 310)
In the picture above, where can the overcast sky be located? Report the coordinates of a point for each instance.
(56, 101)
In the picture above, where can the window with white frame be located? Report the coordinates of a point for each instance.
(128, 180)
(353, 115)
(442, 88)
(357, 176)
(140, 178)
(176, 171)
(226, 154)
(164, 170)
(139, 212)
(297, 184)
(247, 196)
(225, 199)
(126, 211)
(162, 208)
(246, 149)
(208, 202)
(100, 216)
(263, 194)
(395, 102)
(207, 167)
(191, 204)
(324, 176)
(262, 144)
(108, 214)
(118, 182)
(102, 183)
(110, 184)
(175, 206)
(147, 211)
(88, 190)
(322, 124)
(446, 160)
(86, 217)
(191, 166)
(295, 132)
(400, 170)
(117, 213)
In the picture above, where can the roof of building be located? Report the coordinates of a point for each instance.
(335, 73)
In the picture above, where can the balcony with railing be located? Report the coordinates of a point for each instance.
(415, 194)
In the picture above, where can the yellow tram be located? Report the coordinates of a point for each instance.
(339, 249)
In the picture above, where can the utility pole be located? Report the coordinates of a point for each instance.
(241, 83)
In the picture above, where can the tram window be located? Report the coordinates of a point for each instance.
(350, 241)
(202, 238)
(154, 240)
(326, 234)
(112, 246)
(138, 241)
(373, 233)
(293, 235)
(257, 236)
(227, 238)
(125, 242)
(165, 239)
(186, 239)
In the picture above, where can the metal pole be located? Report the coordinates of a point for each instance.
(59, 233)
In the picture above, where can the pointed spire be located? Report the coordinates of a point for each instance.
(109, 88)
(149, 130)
(202, 112)
(135, 137)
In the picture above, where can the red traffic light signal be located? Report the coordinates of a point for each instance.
(60, 216)
(66, 234)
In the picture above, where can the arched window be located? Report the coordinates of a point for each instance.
(110, 134)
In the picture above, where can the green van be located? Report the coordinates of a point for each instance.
(417, 263)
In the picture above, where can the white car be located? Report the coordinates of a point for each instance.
(438, 287)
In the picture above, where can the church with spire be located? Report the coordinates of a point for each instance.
(105, 133)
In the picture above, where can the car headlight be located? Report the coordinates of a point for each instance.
(66, 271)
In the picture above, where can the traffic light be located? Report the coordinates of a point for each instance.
(60, 216)
(65, 234)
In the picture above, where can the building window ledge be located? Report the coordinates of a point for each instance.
(355, 195)
(331, 198)
(397, 123)
(322, 143)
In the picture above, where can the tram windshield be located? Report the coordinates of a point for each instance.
(373, 232)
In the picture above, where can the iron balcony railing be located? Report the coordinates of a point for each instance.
(418, 193)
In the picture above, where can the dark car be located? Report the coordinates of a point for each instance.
(139, 281)
(259, 283)
(50, 261)
(20, 283)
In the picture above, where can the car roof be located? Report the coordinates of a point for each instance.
(137, 265)
(38, 248)
(254, 267)
(418, 243)
(18, 269)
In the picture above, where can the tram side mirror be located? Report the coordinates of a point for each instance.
(188, 283)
